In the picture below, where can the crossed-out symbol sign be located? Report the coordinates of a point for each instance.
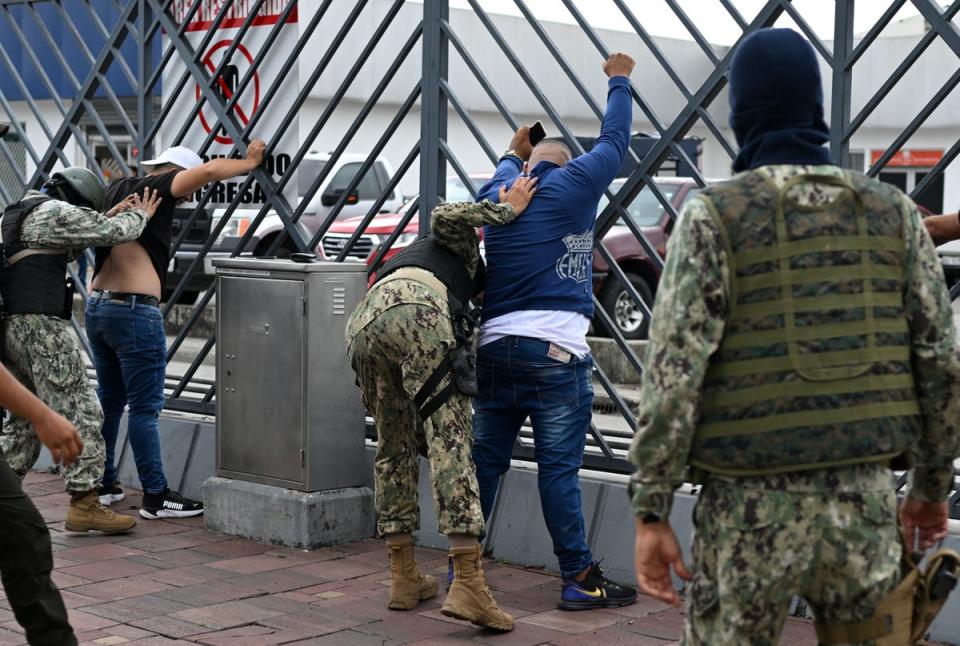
(226, 85)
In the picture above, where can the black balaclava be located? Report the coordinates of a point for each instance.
(776, 101)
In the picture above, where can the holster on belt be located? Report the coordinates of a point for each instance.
(905, 615)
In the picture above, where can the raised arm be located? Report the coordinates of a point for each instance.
(507, 170)
(60, 225)
(188, 182)
(510, 166)
(597, 168)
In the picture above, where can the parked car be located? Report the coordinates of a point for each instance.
(378, 231)
(648, 214)
(373, 238)
(371, 186)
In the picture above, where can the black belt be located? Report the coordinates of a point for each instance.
(127, 297)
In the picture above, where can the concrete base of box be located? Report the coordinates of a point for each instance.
(306, 520)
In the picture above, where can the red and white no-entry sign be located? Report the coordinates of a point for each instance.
(226, 85)
(245, 29)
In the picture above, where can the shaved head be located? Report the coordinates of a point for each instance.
(551, 150)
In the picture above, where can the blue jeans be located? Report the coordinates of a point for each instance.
(517, 379)
(130, 356)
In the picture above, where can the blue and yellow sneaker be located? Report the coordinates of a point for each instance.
(595, 591)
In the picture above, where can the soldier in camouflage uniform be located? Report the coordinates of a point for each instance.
(399, 341)
(41, 349)
(802, 343)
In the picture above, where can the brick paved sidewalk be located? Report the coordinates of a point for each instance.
(171, 582)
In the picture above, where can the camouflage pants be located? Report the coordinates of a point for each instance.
(828, 536)
(43, 354)
(393, 357)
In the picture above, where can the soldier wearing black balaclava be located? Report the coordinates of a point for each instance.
(802, 346)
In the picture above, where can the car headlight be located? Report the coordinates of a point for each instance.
(405, 239)
(235, 227)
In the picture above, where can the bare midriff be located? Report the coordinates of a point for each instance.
(128, 269)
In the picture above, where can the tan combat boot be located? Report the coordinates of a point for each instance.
(86, 513)
(409, 586)
(469, 598)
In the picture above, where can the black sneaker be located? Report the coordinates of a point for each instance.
(110, 494)
(595, 591)
(169, 504)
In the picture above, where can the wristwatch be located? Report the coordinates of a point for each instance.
(511, 153)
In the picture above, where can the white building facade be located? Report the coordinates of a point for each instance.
(659, 92)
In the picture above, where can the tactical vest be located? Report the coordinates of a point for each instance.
(427, 253)
(33, 281)
(814, 367)
(460, 362)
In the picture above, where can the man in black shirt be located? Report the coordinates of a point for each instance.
(125, 326)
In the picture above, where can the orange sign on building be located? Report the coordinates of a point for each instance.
(915, 157)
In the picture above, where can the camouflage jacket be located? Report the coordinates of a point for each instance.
(455, 225)
(688, 326)
(59, 225)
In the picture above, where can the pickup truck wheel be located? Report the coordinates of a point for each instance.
(620, 306)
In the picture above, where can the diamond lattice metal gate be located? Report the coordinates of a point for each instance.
(339, 90)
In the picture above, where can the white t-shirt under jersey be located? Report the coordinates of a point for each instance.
(565, 329)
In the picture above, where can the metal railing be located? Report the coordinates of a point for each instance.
(117, 69)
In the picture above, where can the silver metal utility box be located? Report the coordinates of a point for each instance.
(288, 410)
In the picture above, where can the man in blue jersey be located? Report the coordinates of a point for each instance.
(533, 358)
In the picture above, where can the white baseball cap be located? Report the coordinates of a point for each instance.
(178, 155)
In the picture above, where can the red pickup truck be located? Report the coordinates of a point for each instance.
(646, 212)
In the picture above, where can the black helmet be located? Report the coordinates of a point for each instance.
(78, 186)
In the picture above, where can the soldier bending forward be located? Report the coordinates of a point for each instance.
(409, 345)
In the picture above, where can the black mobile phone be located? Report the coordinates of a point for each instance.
(537, 133)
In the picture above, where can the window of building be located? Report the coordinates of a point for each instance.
(857, 161)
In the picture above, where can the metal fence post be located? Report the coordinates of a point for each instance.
(842, 83)
(144, 95)
(433, 106)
